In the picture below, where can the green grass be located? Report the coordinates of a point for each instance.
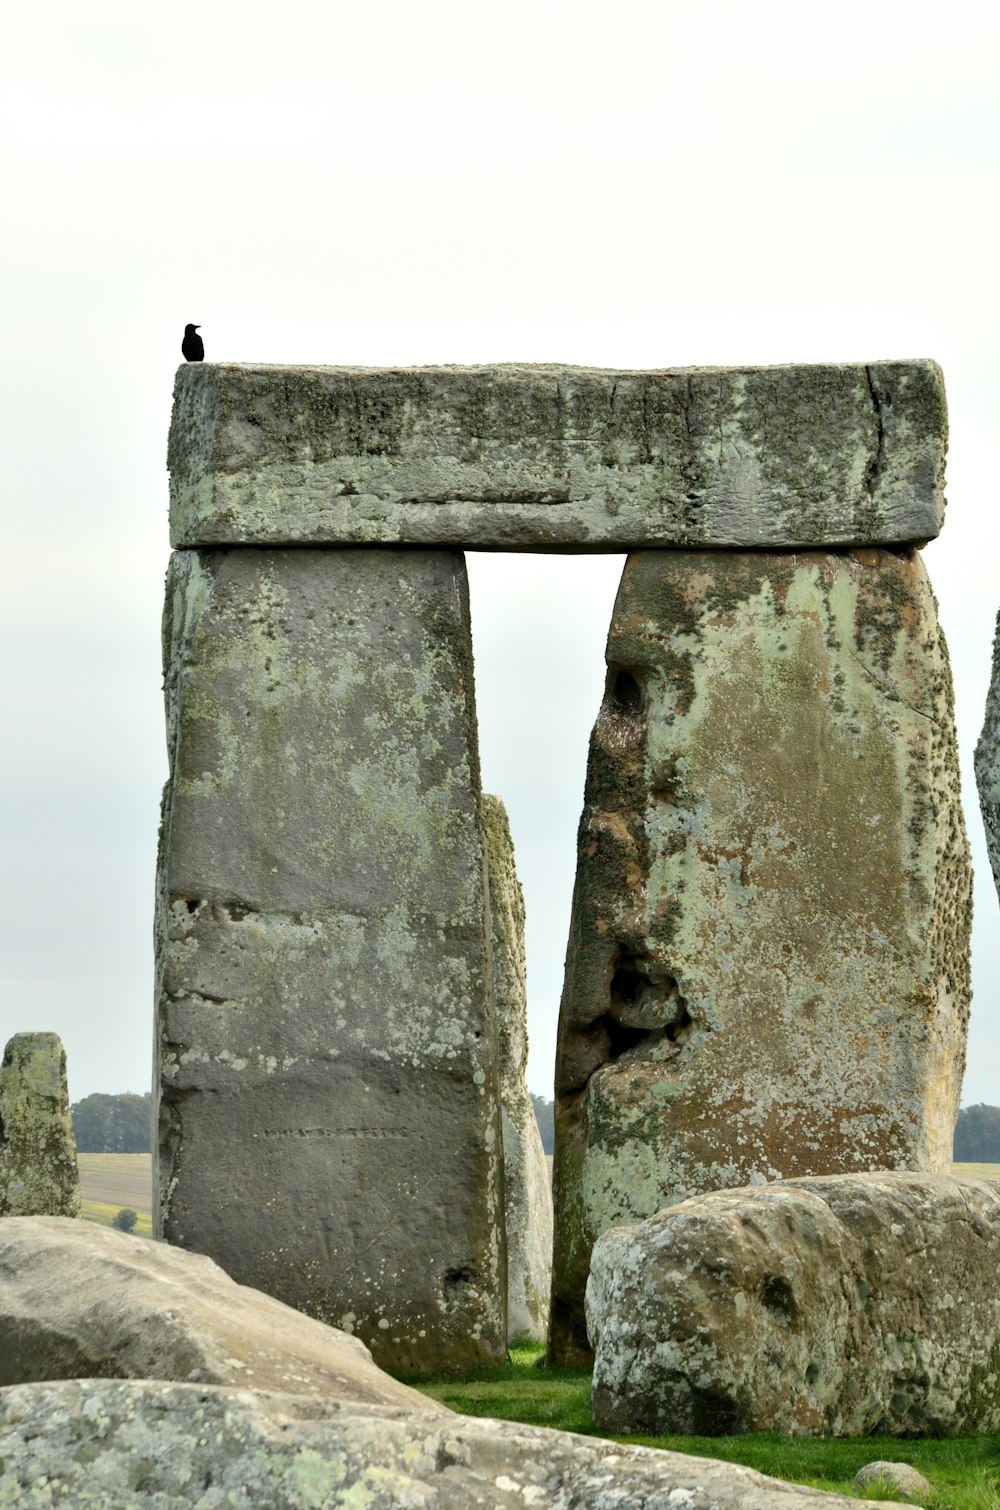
(977, 1171)
(963, 1471)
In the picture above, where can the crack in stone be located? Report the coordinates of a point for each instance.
(873, 470)
(886, 693)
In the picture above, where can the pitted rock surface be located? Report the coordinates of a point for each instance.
(988, 764)
(80, 1300)
(548, 458)
(840, 1306)
(329, 1111)
(767, 973)
(152, 1446)
(38, 1169)
(527, 1187)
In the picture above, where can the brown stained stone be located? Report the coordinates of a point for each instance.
(327, 1084)
(767, 973)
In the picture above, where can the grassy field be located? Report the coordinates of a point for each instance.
(964, 1472)
(977, 1171)
(109, 1181)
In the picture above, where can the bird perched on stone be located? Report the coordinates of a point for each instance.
(192, 346)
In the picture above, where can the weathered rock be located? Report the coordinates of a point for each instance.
(988, 764)
(79, 1300)
(154, 1446)
(329, 1126)
(899, 1476)
(537, 458)
(527, 1188)
(38, 1170)
(837, 1306)
(767, 972)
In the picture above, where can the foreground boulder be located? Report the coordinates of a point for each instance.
(767, 974)
(114, 1446)
(837, 1306)
(527, 1187)
(38, 1168)
(77, 1299)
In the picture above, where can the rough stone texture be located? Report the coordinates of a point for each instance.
(78, 1301)
(545, 458)
(329, 1126)
(767, 972)
(38, 1170)
(154, 1446)
(899, 1476)
(527, 1187)
(988, 764)
(839, 1306)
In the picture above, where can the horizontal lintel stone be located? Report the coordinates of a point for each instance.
(558, 458)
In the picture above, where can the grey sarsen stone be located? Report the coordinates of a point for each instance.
(38, 1169)
(553, 458)
(329, 1125)
(145, 1445)
(79, 1300)
(839, 1306)
(527, 1188)
(768, 971)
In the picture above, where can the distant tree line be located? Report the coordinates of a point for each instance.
(113, 1124)
(544, 1111)
(977, 1135)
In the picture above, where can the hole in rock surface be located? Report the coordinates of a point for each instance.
(776, 1293)
(456, 1280)
(645, 995)
(625, 695)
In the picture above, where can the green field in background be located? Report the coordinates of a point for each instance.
(110, 1181)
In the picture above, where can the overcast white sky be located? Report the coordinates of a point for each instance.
(644, 184)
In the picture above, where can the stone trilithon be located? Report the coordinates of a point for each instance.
(767, 972)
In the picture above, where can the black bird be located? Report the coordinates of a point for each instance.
(192, 346)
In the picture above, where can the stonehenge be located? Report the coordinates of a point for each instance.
(767, 972)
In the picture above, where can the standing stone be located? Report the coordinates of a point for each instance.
(988, 764)
(329, 1127)
(767, 973)
(38, 1169)
(527, 1188)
